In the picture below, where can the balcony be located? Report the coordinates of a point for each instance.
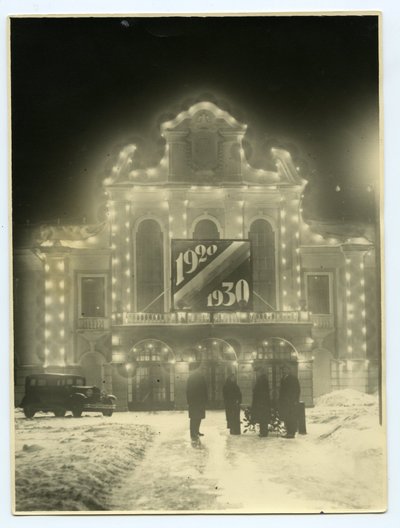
(93, 323)
(218, 318)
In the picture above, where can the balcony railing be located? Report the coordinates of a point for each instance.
(93, 323)
(196, 318)
(322, 320)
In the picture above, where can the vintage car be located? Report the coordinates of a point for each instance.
(59, 393)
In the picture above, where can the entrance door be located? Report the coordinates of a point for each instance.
(151, 387)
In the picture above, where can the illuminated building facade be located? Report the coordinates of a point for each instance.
(96, 299)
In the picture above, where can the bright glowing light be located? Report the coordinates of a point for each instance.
(114, 280)
(349, 348)
(62, 351)
(127, 256)
(127, 272)
(362, 297)
(61, 316)
(113, 296)
(47, 333)
(170, 218)
(363, 313)
(126, 239)
(284, 293)
(46, 268)
(348, 276)
(298, 280)
(48, 318)
(283, 213)
(184, 216)
(62, 333)
(283, 229)
(115, 340)
(284, 277)
(362, 265)
(128, 290)
(113, 246)
(126, 224)
(364, 330)
(62, 299)
(128, 307)
(364, 346)
(298, 293)
(283, 245)
(283, 261)
(297, 250)
(348, 261)
(47, 300)
(61, 284)
(127, 208)
(49, 284)
(115, 260)
(170, 234)
(349, 332)
(46, 351)
(298, 267)
(348, 293)
(362, 282)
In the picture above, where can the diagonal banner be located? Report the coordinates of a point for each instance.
(209, 275)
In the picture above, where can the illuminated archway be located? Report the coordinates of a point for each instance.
(151, 375)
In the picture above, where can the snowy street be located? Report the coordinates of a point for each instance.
(338, 466)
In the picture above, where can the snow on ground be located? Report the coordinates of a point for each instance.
(338, 466)
(71, 464)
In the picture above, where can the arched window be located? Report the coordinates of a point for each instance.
(149, 267)
(206, 230)
(262, 240)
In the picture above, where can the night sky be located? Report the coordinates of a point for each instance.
(83, 87)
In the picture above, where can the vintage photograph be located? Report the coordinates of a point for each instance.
(196, 230)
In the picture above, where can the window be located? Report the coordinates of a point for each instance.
(93, 301)
(206, 230)
(318, 293)
(262, 241)
(149, 267)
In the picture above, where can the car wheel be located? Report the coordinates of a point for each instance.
(29, 411)
(77, 410)
(60, 412)
(108, 412)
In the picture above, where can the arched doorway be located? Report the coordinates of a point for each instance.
(151, 376)
(273, 353)
(216, 358)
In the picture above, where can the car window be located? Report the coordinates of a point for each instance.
(69, 381)
(41, 382)
(32, 382)
(79, 382)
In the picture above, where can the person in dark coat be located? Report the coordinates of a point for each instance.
(196, 395)
(261, 404)
(289, 395)
(232, 400)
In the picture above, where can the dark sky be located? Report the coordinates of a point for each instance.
(82, 87)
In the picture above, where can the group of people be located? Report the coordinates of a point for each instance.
(289, 394)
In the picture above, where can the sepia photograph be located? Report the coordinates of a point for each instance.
(197, 264)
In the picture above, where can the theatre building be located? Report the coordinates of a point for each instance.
(203, 261)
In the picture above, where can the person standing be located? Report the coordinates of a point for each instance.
(196, 395)
(261, 404)
(232, 400)
(289, 394)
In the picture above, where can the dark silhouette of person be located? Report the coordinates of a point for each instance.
(261, 404)
(289, 394)
(232, 400)
(196, 395)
